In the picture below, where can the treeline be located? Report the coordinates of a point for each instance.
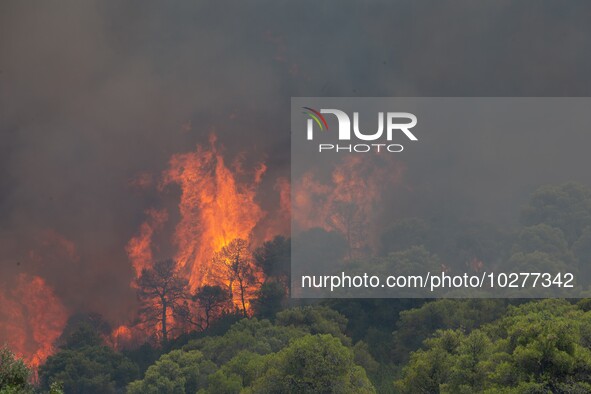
(443, 346)
(365, 345)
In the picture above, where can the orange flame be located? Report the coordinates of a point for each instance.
(139, 248)
(124, 337)
(215, 208)
(31, 319)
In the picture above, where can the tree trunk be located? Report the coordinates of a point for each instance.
(242, 298)
(164, 328)
(207, 310)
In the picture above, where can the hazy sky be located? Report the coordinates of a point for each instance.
(94, 93)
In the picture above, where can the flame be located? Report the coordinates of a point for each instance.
(215, 208)
(31, 318)
(125, 337)
(120, 336)
(139, 248)
(217, 205)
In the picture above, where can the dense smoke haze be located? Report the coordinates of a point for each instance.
(96, 98)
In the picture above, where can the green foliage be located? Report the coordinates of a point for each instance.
(143, 356)
(176, 372)
(372, 320)
(315, 320)
(297, 354)
(221, 383)
(88, 369)
(363, 357)
(543, 238)
(14, 374)
(56, 388)
(416, 325)
(313, 364)
(540, 346)
(83, 335)
(84, 329)
(270, 299)
(567, 207)
(274, 259)
(256, 336)
(241, 371)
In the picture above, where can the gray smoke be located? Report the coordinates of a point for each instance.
(94, 93)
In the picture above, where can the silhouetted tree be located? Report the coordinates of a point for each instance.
(212, 300)
(270, 299)
(274, 259)
(84, 335)
(236, 259)
(163, 293)
(84, 329)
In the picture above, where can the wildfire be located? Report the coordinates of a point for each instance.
(217, 206)
(215, 209)
(139, 248)
(125, 337)
(347, 202)
(31, 318)
(218, 215)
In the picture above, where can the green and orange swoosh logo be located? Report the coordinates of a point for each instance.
(317, 116)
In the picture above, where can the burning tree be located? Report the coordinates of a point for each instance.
(236, 261)
(163, 293)
(213, 300)
(217, 204)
